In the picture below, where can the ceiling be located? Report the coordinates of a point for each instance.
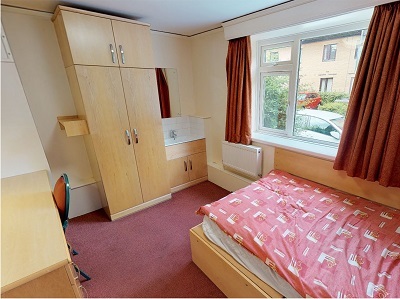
(184, 17)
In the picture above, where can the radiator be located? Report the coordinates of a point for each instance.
(243, 159)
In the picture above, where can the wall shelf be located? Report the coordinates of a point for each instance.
(73, 125)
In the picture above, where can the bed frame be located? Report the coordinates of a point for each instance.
(236, 281)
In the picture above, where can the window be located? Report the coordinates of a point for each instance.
(326, 84)
(296, 97)
(275, 100)
(276, 53)
(329, 53)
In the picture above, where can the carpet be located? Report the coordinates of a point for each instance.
(146, 254)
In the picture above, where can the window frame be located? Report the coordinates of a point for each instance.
(293, 37)
(329, 57)
(326, 81)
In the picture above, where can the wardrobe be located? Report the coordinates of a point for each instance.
(110, 68)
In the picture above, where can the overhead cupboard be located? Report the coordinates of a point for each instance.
(109, 64)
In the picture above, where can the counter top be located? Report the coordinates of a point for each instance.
(32, 239)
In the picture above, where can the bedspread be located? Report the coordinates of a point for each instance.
(324, 242)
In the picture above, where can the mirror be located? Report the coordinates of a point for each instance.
(171, 80)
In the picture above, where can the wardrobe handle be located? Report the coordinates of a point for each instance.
(122, 54)
(184, 163)
(112, 53)
(128, 137)
(190, 163)
(136, 135)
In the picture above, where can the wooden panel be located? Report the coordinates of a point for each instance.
(51, 285)
(178, 171)
(322, 171)
(144, 115)
(103, 98)
(62, 39)
(32, 239)
(88, 39)
(185, 149)
(197, 165)
(136, 44)
(95, 14)
(230, 277)
(73, 126)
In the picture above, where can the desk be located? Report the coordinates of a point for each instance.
(35, 260)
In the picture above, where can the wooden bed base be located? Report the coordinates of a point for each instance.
(236, 281)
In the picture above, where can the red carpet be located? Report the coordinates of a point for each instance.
(146, 254)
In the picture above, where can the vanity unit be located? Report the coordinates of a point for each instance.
(109, 64)
(187, 164)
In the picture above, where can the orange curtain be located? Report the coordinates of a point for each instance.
(163, 94)
(370, 145)
(238, 114)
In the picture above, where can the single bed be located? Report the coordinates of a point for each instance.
(344, 267)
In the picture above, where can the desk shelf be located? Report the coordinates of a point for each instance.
(73, 125)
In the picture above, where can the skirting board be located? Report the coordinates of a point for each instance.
(234, 280)
(188, 184)
(140, 207)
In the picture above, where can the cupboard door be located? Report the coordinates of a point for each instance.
(197, 165)
(141, 97)
(88, 39)
(104, 102)
(178, 171)
(134, 41)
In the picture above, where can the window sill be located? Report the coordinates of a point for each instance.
(311, 149)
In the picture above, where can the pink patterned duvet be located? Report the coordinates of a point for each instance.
(324, 242)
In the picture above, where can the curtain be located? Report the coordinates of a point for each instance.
(238, 114)
(370, 143)
(163, 94)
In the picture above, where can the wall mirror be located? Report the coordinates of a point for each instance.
(168, 92)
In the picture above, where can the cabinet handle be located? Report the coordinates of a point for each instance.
(122, 54)
(190, 163)
(128, 137)
(184, 163)
(112, 53)
(136, 135)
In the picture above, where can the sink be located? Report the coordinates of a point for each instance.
(182, 139)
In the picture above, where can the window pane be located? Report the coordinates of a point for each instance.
(277, 54)
(275, 100)
(329, 81)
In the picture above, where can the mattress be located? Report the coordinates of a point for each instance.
(247, 260)
(323, 242)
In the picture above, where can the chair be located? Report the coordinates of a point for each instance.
(61, 198)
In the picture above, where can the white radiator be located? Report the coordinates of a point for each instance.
(244, 159)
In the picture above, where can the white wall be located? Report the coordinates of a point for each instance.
(18, 130)
(209, 76)
(34, 45)
(173, 51)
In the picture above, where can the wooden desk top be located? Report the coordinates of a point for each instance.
(32, 239)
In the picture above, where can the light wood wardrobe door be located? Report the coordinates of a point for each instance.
(88, 39)
(136, 44)
(144, 115)
(107, 118)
